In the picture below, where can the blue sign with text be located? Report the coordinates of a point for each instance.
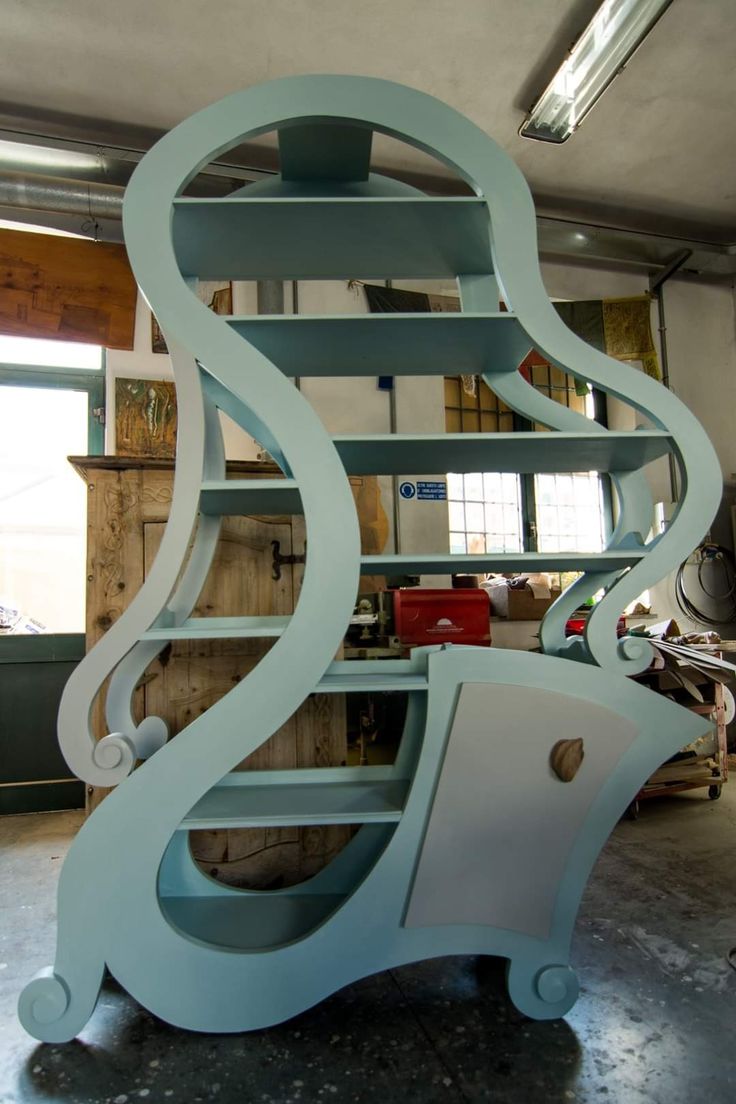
(436, 490)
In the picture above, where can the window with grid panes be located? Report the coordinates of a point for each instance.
(484, 507)
(51, 397)
(505, 512)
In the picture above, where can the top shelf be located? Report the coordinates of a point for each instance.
(331, 239)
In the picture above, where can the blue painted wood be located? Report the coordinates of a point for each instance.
(403, 454)
(313, 152)
(344, 684)
(446, 563)
(211, 628)
(336, 802)
(399, 344)
(331, 239)
(250, 496)
(209, 957)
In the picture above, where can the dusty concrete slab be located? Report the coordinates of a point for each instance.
(656, 1021)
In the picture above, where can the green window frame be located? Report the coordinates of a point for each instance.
(34, 777)
(91, 381)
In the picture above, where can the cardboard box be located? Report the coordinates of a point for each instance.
(523, 606)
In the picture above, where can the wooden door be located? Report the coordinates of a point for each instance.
(190, 676)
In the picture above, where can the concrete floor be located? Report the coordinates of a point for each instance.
(656, 1020)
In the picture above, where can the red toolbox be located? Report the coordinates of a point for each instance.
(427, 616)
(575, 625)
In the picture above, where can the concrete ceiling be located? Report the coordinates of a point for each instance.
(657, 152)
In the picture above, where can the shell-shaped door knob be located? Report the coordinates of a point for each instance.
(566, 757)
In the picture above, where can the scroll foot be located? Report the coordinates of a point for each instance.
(54, 1011)
(542, 992)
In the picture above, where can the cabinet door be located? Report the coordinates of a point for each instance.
(190, 676)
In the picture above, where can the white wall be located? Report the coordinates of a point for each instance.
(356, 405)
(701, 346)
(701, 341)
(576, 282)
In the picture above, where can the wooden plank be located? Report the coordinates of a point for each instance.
(320, 730)
(114, 573)
(84, 465)
(129, 504)
(68, 289)
(373, 523)
(195, 674)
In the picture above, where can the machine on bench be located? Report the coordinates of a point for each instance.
(391, 622)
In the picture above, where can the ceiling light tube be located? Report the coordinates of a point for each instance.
(601, 52)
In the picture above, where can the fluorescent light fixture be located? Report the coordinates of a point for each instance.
(19, 155)
(601, 52)
(34, 228)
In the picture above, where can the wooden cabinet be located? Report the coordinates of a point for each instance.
(128, 505)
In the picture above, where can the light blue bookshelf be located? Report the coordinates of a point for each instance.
(469, 843)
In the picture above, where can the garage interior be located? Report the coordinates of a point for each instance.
(635, 227)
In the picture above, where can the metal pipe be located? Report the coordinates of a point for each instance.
(295, 310)
(270, 296)
(669, 270)
(674, 490)
(656, 287)
(583, 243)
(32, 191)
(394, 478)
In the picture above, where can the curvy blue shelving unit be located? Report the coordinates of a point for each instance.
(470, 842)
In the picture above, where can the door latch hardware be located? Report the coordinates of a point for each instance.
(278, 559)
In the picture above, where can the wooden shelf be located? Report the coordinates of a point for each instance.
(387, 344)
(253, 921)
(359, 676)
(250, 496)
(329, 239)
(334, 684)
(603, 451)
(294, 803)
(83, 465)
(213, 628)
(446, 563)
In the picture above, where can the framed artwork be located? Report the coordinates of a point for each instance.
(145, 418)
(217, 296)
